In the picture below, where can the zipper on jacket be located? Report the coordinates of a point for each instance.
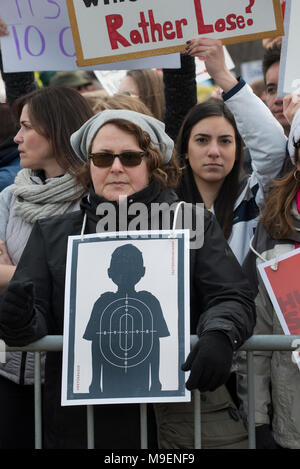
(22, 367)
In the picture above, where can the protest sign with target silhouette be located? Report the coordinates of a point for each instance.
(126, 321)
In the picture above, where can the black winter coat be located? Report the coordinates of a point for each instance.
(220, 300)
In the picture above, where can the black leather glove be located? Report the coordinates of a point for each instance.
(264, 437)
(16, 309)
(209, 361)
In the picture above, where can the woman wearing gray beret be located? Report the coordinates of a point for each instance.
(129, 156)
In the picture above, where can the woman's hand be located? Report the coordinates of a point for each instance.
(212, 52)
(291, 104)
(4, 256)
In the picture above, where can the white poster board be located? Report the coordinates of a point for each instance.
(111, 30)
(126, 313)
(289, 72)
(40, 38)
(281, 279)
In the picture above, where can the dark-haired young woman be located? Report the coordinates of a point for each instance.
(210, 147)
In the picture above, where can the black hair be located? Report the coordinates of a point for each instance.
(271, 56)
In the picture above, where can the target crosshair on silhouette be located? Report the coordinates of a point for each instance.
(126, 333)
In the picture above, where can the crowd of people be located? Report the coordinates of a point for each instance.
(66, 148)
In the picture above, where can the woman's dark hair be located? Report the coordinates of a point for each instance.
(55, 113)
(187, 189)
(167, 175)
(271, 56)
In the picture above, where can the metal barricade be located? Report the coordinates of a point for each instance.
(255, 343)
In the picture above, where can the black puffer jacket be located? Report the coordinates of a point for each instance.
(220, 300)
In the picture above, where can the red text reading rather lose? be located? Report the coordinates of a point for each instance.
(152, 31)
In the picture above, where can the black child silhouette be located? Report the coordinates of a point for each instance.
(125, 328)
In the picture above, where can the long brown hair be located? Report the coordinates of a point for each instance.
(151, 89)
(276, 216)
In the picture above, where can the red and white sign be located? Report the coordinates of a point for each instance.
(114, 30)
(283, 5)
(283, 286)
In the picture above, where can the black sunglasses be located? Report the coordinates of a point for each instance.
(104, 159)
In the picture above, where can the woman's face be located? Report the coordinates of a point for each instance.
(117, 180)
(212, 149)
(35, 149)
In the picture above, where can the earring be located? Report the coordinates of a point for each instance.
(295, 175)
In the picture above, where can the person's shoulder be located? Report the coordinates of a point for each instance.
(7, 193)
(61, 221)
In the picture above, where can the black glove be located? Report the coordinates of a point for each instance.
(264, 437)
(209, 361)
(16, 309)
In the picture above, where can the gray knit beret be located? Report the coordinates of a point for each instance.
(82, 139)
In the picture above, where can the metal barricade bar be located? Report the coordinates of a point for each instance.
(144, 426)
(254, 343)
(251, 401)
(37, 400)
(197, 419)
(90, 427)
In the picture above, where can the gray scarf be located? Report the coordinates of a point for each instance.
(35, 201)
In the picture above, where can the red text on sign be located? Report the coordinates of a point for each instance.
(230, 23)
(149, 30)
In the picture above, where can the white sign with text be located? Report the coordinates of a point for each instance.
(112, 30)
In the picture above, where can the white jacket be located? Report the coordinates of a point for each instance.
(266, 141)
